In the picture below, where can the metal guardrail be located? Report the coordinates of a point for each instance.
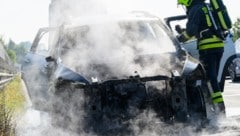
(5, 74)
(5, 78)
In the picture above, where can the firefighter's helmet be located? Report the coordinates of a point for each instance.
(185, 2)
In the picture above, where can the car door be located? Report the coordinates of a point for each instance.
(36, 71)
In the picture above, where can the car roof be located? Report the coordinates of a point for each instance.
(110, 18)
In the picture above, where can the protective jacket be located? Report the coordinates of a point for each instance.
(199, 25)
(210, 46)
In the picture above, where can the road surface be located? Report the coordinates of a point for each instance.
(231, 97)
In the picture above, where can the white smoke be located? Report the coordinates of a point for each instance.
(61, 10)
(105, 48)
(111, 46)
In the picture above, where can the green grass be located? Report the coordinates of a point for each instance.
(12, 102)
(13, 94)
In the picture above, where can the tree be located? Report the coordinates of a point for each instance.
(11, 45)
(1, 40)
(236, 30)
(19, 50)
(12, 55)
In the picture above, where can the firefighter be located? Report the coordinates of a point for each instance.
(210, 46)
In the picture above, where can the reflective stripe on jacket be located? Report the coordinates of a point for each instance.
(209, 43)
(199, 25)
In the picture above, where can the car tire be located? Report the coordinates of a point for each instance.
(232, 72)
(235, 78)
(198, 101)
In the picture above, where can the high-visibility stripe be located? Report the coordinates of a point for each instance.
(217, 94)
(222, 21)
(209, 40)
(213, 42)
(215, 4)
(209, 23)
(218, 100)
(209, 46)
(208, 19)
(217, 97)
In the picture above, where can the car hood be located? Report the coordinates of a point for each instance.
(120, 68)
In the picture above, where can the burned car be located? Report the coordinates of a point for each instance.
(102, 75)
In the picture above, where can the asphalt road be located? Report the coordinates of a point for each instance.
(231, 96)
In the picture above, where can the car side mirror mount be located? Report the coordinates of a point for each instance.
(49, 59)
(179, 29)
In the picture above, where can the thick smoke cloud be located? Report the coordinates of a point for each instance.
(108, 45)
(62, 11)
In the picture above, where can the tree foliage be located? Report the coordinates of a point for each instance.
(11, 45)
(19, 50)
(236, 29)
(12, 55)
(16, 52)
(1, 40)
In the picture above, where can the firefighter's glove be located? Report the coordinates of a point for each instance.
(217, 97)
(179, 29)
(181, 38)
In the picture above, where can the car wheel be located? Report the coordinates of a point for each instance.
(232, 72)
(234, 77)
(197, 99)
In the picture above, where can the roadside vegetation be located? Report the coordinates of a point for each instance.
(12, 102)
(15, 51)
(11, 95)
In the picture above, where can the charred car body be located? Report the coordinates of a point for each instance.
(108, 72)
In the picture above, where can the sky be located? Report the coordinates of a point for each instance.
(20, 19)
